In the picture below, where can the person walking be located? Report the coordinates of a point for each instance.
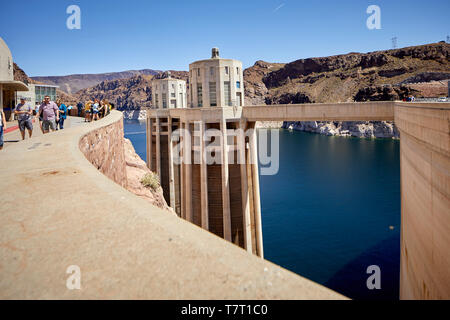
(95, 110)
(80, 107)
(2, 124)
(24, 115)
(87, 111)
(50, 114)
(62, 115)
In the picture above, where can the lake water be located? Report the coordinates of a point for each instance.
(331, 211)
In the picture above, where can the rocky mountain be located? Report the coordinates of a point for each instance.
(256, 91)
(422, 71)
(73, 83)
(132, 93)
(379, 75)
(20, 75)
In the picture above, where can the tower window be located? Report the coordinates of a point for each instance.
(212, 94)
(199, 94)
(238, 84)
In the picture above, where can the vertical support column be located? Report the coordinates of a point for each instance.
(158, 147)
(225, 183)
(188, 172)
(244, 188)
(203, 178)
(170, 159)
(149, 142)
(182, 171)
(257, 203)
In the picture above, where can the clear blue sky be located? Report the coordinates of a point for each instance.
(136, 34)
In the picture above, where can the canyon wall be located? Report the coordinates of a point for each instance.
(358, 129)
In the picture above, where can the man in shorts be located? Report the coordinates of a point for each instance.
(24, 115)
(50, 114)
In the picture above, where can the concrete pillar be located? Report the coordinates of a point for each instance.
(244, 188)
(203, 178)
(188, 171)
(170, 160)
(182, 171)
(151, 146)
(256, 198)
(158, 147)
(225, 183)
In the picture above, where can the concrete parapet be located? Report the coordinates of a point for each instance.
(58, 210)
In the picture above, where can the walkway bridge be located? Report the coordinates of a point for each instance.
(224, 198)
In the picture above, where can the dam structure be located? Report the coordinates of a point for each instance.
(223, 197)
(127, 248)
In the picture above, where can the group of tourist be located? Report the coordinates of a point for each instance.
(51, 115)
(94, 110)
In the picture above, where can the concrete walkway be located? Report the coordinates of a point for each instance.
(14, 136)
(58, 211)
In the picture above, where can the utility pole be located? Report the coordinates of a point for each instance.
(394, 43)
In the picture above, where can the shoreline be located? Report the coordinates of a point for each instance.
(356, 129)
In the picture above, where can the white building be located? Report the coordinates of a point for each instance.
(8, 86)
(216, 82)
(168, 93)
(37, 92)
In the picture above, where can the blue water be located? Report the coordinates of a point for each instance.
(332, 210)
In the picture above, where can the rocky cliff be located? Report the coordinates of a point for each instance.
(375, 76)
(136, 168)
(359, 129)
(348, 77)
(71, 84)
(20, 75)
(127, 94)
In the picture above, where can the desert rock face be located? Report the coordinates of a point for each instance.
(374, 76)
(136, 168)
(71, 84)
(20, 75)
(127, 94)
(255, 89)
(359, 129)
(348, 77)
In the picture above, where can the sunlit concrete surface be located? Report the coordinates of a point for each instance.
(58, 210)
(15, 136)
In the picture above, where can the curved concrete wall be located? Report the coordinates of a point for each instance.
(104, 148)
(425, 196)
(58, 210)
